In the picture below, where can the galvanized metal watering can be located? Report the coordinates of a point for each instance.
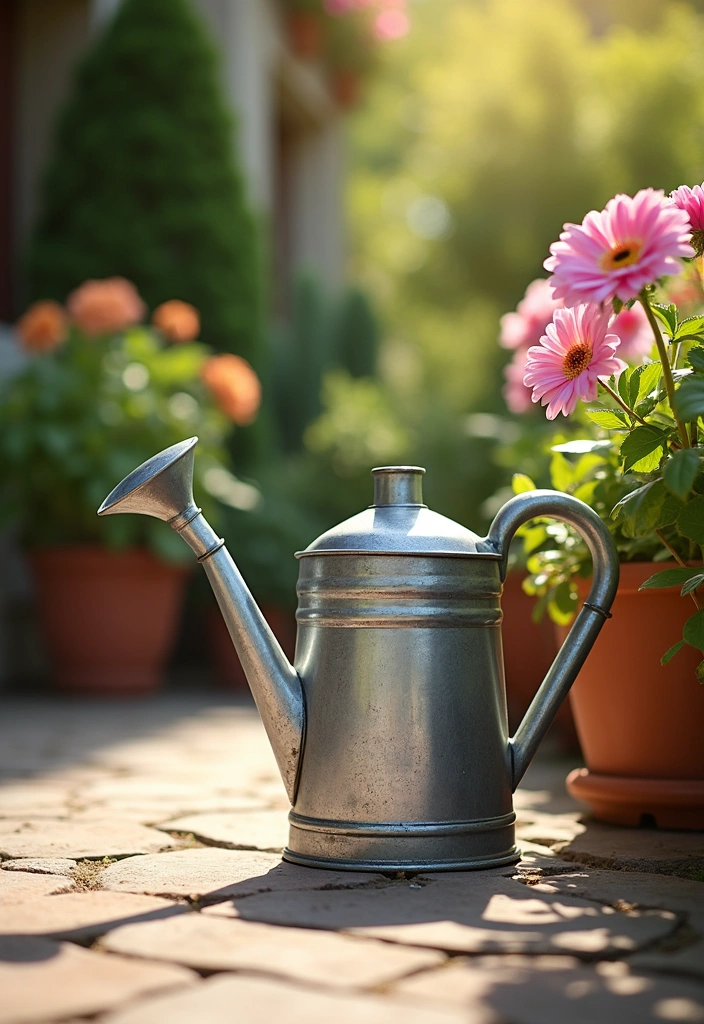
(390, 729)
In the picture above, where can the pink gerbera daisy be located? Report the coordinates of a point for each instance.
(533, 313)
(634, 332)
(516, 394)
(575, 351)
(628, 245)
(691, 200)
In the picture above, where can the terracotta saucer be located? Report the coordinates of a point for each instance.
(667, 803)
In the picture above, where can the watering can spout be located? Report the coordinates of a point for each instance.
(162, 487)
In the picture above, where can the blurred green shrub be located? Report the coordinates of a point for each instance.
(142, 181)
(356, 334)
(322, 335)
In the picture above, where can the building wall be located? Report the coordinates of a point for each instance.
(50, 36)
(273, 96)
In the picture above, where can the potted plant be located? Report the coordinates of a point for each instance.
(101, 391)
(638, 705)
(305, 27)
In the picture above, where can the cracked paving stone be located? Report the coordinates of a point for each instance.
(41, 980)
(229, 998)
(138, 799)
(16, 886)
(547, 829)
(84, 916)
(78, 839)
(41, 865)
(34, 799)
(628, 888)
(464, 913)
(210, 943)
(214, 874)
(637, 849)
(552, 990)
(253, 830)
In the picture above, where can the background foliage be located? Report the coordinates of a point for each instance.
(494, 123)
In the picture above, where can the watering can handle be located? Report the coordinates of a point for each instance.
(585, 629)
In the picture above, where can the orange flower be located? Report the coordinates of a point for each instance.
(179, 321)
(43, 327)
(103, 307)
(235, 387)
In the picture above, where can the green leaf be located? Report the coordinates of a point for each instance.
(669, 578)
(623, 386)
(689, 398)
(680, 470)
(561, 472)
(691, 328)
(642, 449)
(521, 483)
(563, 603)
(608, 419)
(693, 632)
(641, 508)
(532, 537)
(646, 377)
(669, 510)
(668, 655)
(690, 521)
(692, 585)
(695, 358)
(700, 672)
(667, 315)
(580, 447)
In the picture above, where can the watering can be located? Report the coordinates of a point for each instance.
(390, 729)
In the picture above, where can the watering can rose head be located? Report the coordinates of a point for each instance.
(616, 336)
(103, 384)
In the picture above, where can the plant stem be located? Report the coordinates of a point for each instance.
(665, 362)
(624, 406)
(679, 560)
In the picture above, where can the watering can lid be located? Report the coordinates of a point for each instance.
(399, 523)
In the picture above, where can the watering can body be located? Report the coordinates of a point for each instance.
(390, 729)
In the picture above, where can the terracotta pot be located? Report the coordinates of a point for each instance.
(529, 651)
(109, 618)
(641, 724)
(228, 670)
(346, 88)
(305, 34)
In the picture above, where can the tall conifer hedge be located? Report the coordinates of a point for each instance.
(142, 182)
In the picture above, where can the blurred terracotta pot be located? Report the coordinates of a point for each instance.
(346, 88)
(228, 670)
(109, 618)
(529, 651)
(641, 724)
(305, 34)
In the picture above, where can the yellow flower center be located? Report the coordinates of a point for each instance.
(576, 360)
(622, 255)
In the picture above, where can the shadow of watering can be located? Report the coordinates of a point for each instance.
(390, 729)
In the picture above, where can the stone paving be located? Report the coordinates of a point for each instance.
(141, 882)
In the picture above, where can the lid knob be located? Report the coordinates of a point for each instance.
(398, 485)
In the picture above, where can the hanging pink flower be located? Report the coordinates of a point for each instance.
(533, 313)
(391, 24)
(635, 334)
(691, 200)
(575, 351)
(338, 7)
(516, 394)
(620, 250)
